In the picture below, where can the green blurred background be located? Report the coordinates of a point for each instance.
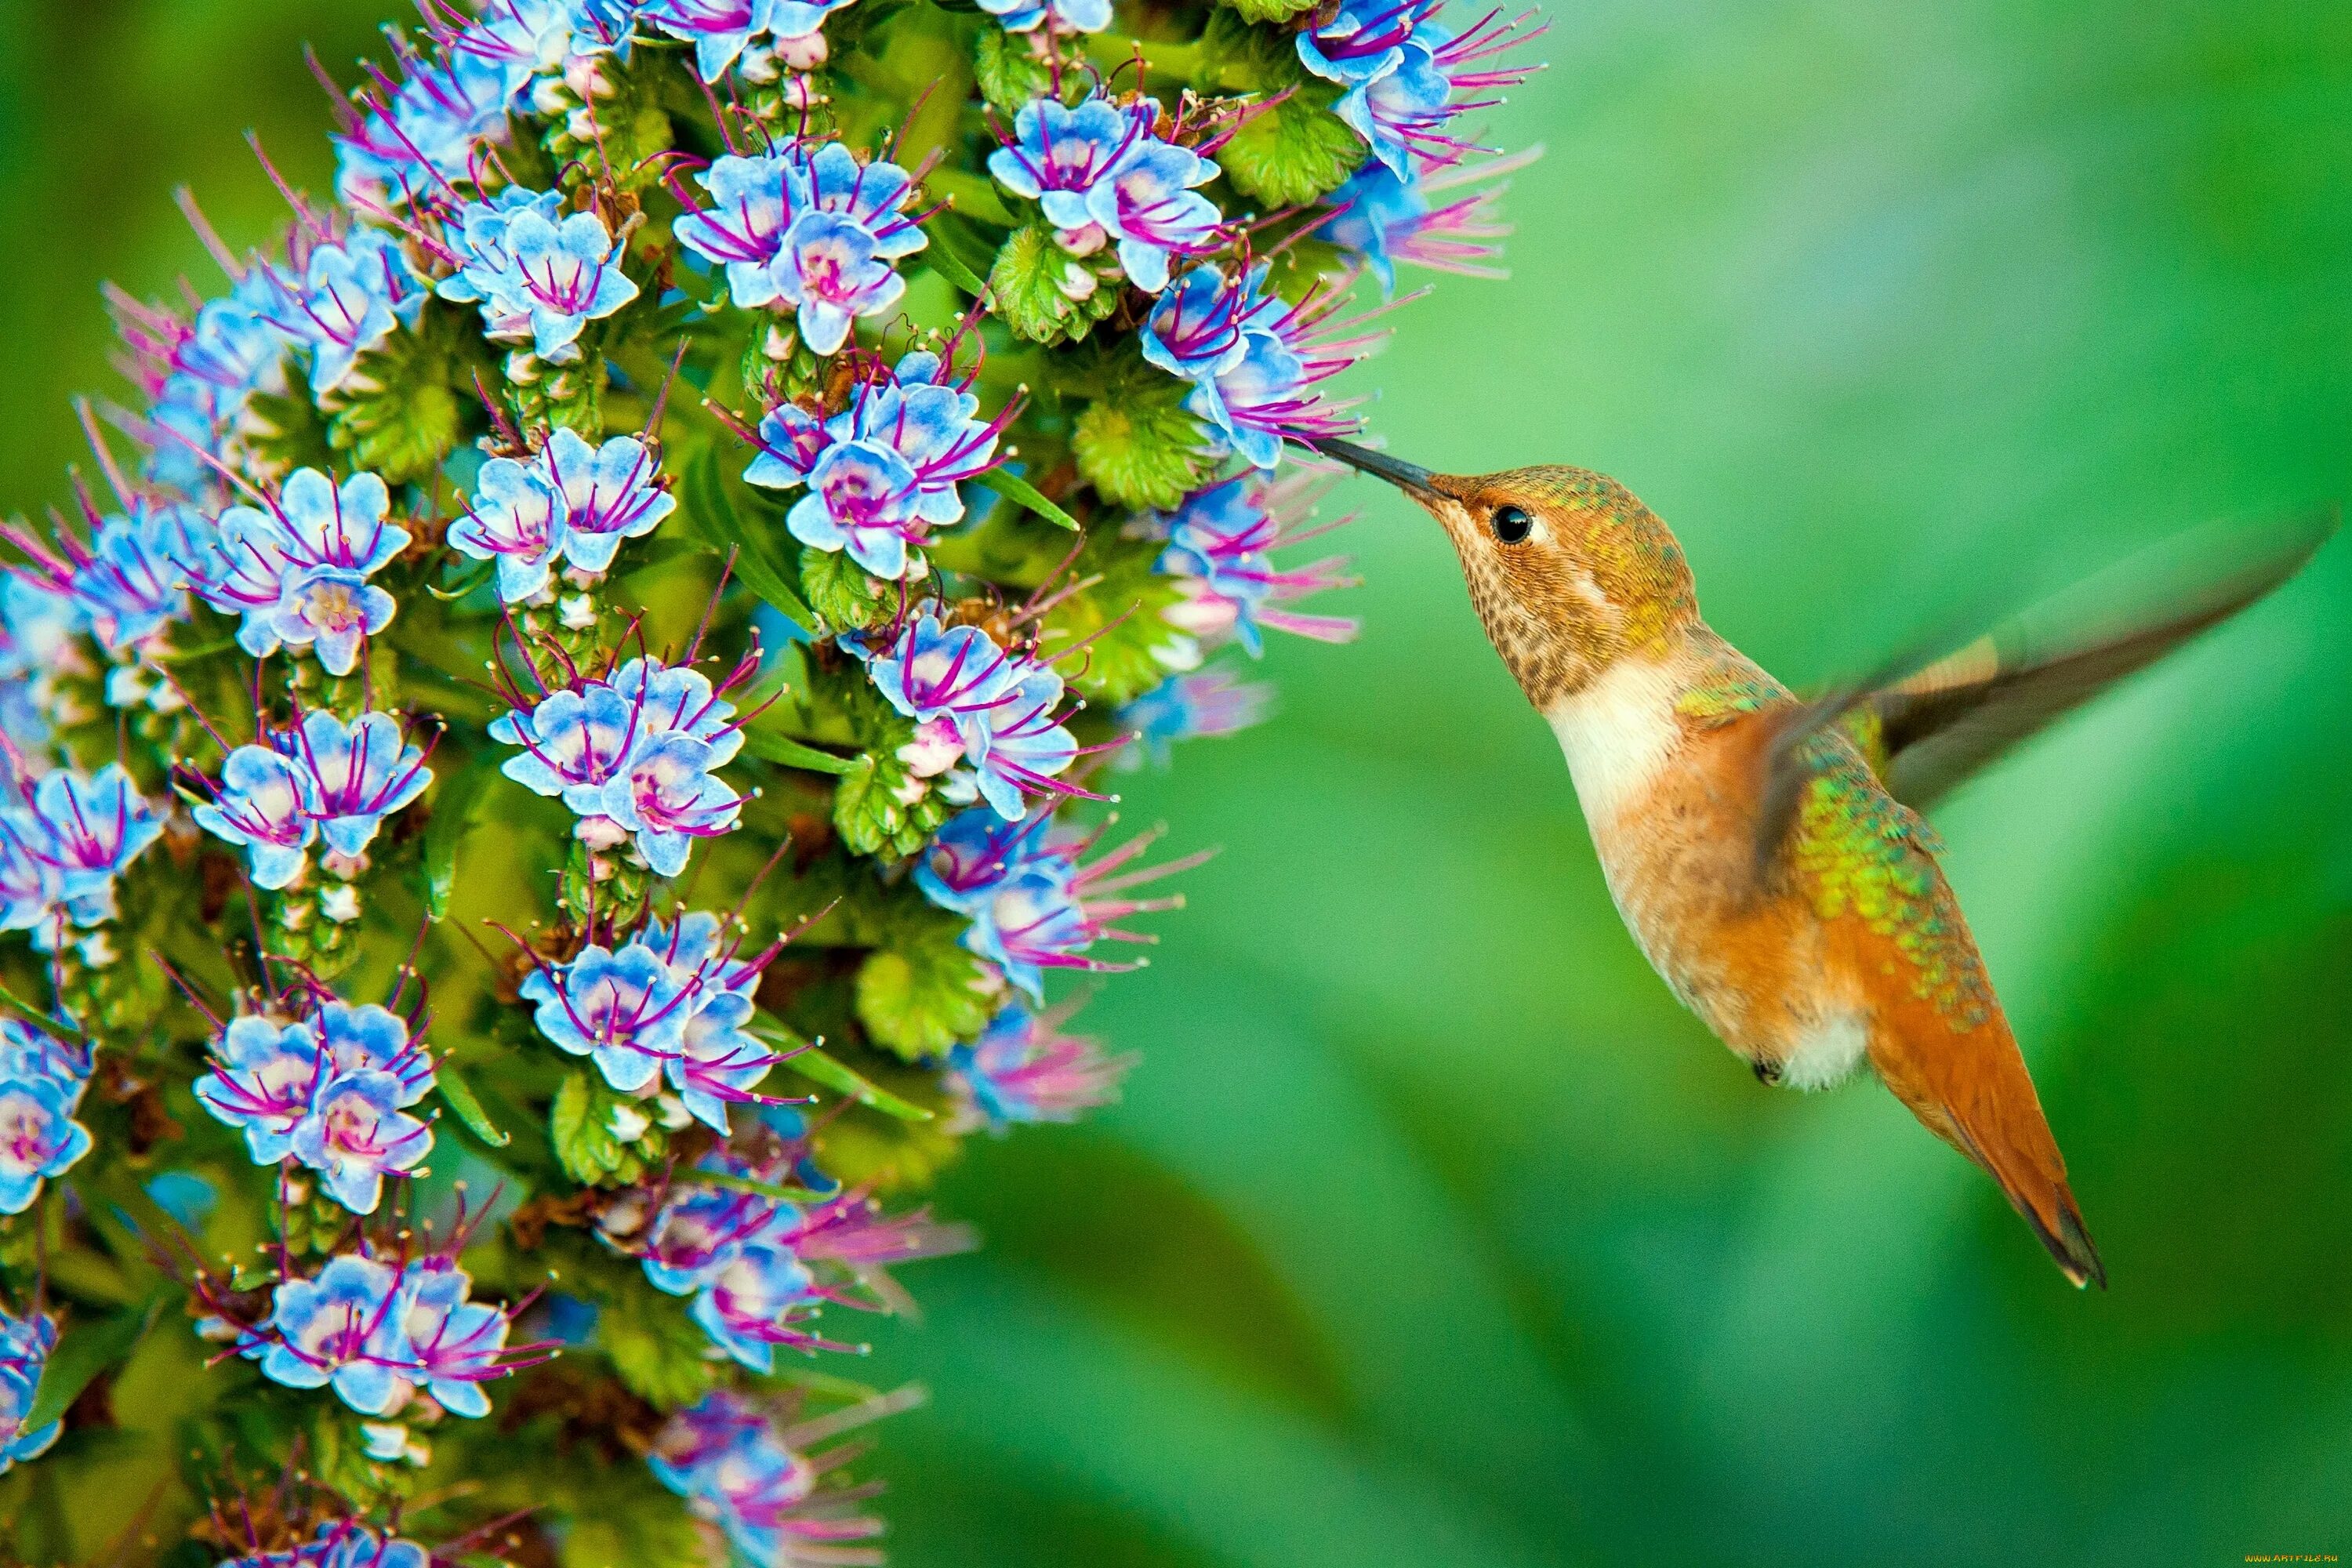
(1431, 1232)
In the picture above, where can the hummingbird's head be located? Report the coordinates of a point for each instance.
(1569, 571)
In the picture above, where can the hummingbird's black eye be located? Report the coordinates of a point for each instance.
(1511, 524)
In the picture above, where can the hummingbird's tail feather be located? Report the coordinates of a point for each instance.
(1971, 1088)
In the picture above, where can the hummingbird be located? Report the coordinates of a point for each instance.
(1765, 850)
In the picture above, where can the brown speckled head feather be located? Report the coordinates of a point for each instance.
(1598, 578)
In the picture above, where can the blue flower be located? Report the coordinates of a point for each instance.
(342, 1543)
(25, 1346)
(1198, 329)
(82, 832)
(38, 1138)
(28, 1055)
(1001, 708)
(1404, 72)
(1055, 156)
(702, 1228)
(625, 1009)
(814, 229)
(187, 1196)
(886, 469)
(665, 796)
(862, 499)
(295, 568)
(609, 493)
(1019, 1070)
(327, 1090)
(974, 854)
(833, 269)
(260, 805)
(720, 1063)
(717, 28)
(516, 521)
(1185, 706)
(352, 775)
(559, 276)
(573, 743)
(343, 1329)
(355, 1134)
(1219, 550)
(476, 238)
(632, 755)
(752, 1300)
(1032, 921)
(725, 1458)
(264, 1076)
(1068, 16)
(1147, 204)
(425, 137)
(350, 298)
(455, 1344)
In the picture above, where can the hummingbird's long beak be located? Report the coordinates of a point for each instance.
(1410, 478)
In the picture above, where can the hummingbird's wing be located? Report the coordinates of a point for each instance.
(1927, 731)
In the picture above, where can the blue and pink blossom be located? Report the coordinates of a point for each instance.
(1099, 167)
(884, 470)
(296, 570)
(1189, 707)
(1219, 545)
(25, 1344)
(1022, 1069)
(815, 229)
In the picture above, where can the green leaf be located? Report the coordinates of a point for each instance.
(1293, 151)
(656, 1349)
(1235, 56)
(706, 498)
(580, 1125)
(454, 805)
(459, 1097)
(1141, 446)
(1015, 488)
(842, 594)
(777, 1190)
(941, 257)
(1008, 74)
(86, 1350)
(972, 195)
(1046, 294)
(785, 752)
(924, 992)
(811, 1062)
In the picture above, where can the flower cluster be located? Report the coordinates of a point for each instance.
(813, 228)
(381, 1336)
(754, 1265)
(985, 718)
(41, 1084)
(340, 1543)
(733, 1467)
(1020, 1069)
(631, 753)
(1100, 175)
(1255, 362)
(1219, 545)
(692, 509)
(883, 472)
(1032, 905)
(63, 846)
(322, 778)
(1407, 75)
(570, 502)
(25, 1346)
(329, 1090)
(296, 570)
(670, 1004)
(540, 276)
